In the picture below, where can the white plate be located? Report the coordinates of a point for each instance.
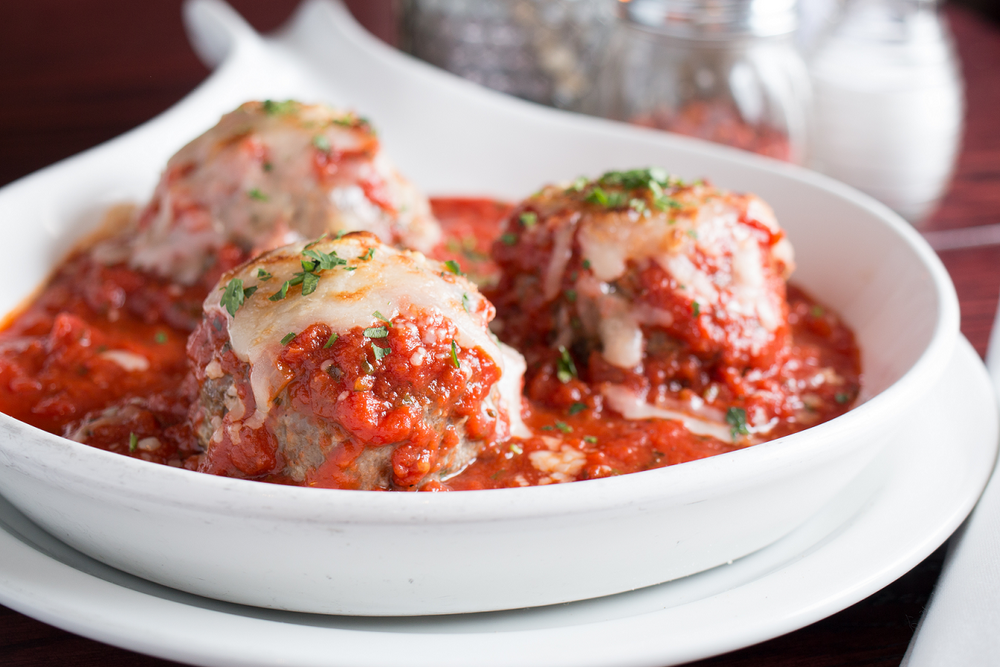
(891, 517)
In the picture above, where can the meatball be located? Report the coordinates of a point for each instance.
(346, 363)
(661, 290)
(268, 174)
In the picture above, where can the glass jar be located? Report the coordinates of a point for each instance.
(539, 50)
(723, 70)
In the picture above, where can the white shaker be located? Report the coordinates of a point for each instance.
(888, 103)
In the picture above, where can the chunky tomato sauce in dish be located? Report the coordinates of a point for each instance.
(288, 308)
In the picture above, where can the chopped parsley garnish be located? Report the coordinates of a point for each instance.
(376, 332)
(133, 442)
(380, 352)
(263, 275)
(160, 337)
(841, 397)
(281, 293)
(368, 255)
(454, 267)
(817, 311)
(586, 264)
(565, 368)
(637, 205)
(267, 166)
(579, 184)
(508, 239)
(576, 408)
(289, 337)
(379, 316)
(234, 295)
(272, 108)
(255, 193)
(321, 142)
(465, 302)
(324, 261)
(312, 243)
(528, 219)
(309, 283)
(737, 420)
(695, 308)
(590, 439)
(331, 340)
(570, 295)
(564, 427)
(454, 354)
(516, 448)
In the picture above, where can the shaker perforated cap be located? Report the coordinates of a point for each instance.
(712, 19)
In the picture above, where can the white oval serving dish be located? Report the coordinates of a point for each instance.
(364, 553)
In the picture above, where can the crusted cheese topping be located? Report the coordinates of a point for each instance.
(373, 284)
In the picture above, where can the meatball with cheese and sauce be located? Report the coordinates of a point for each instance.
(268, 174)
(347, 363)
(669, 296)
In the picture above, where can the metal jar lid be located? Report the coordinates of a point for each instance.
(712, 19)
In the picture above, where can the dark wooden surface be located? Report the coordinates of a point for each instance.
(74, 74)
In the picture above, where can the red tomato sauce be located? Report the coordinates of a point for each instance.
(99, 339)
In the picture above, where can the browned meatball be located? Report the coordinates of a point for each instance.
(347, 363)
(663, 292)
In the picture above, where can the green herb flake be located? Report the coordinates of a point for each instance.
(380, 352)
(324, 261)
(637, 205)
(565, 368)
(321, 142)
(255, 193)
(263, 275)
(331, 340)
(454, 267)
(133, 442)
(267, 166)
(547, 427)
(368, 255)
(590, 439)
(376, 332)
(379, 316)
(737, 420)
(564, 427)
(579, 184)
(528, 219)
(576, 408)
(465, 302)
(281, 293)
(817, 311)
(289, 337)
(309, 283)
(233, 296)
(454, 354)
(312, 243)
(508, 239)
(695, 308)
(570, 295)
(597, 196)
(350, 268)
(586, 264)
(272, 108)
(841, 397)
(161, 337)
(516, 448)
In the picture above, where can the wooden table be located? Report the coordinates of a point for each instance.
(75, 74)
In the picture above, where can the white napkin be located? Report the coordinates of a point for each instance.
(961, 625)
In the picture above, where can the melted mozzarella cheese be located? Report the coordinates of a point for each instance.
(633, 406)
(391, 282)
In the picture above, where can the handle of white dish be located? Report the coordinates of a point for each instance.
(214, 29)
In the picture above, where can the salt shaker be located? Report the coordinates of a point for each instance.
(888, 103)
(723, 70)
